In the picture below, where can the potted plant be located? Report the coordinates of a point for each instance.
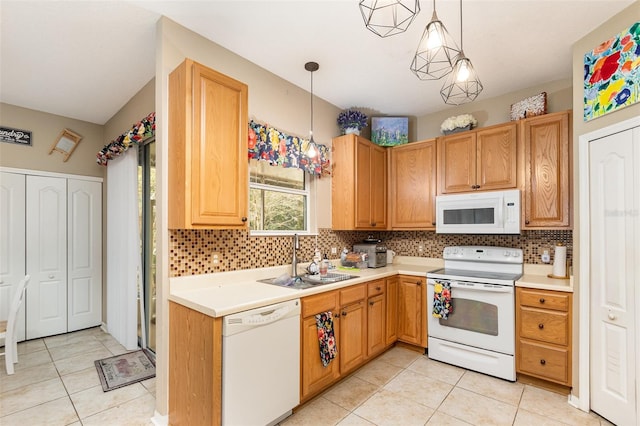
(351, 121)
(458, 123)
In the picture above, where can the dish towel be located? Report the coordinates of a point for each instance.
(442, 306)
(326, 337)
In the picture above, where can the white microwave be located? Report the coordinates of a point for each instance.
(492, 212)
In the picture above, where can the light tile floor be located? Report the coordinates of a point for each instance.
(56, 383)
(403, 387)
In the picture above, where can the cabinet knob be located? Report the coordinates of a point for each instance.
(540, 326)
(370, 303)
(418, 282)
(244, 219)
(543, 362)
(542, 300)
(344, 313)
(611, 316)
(433, 223)
(373, 224)
(526, 222)
(378, 288)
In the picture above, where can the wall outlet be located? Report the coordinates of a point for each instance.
(334, 250)
(421, 248)
(545, 256)
(216, 258)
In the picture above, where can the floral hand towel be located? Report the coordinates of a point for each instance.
(326, 337)
(442, 306)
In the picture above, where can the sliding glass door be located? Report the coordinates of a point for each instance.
(148, 231)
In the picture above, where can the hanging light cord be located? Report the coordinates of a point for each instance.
(311, 135)
(461, 46)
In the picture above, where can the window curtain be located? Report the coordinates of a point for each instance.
(278, 148)
(123, 248)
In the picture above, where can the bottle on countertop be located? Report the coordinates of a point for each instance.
(324, 266)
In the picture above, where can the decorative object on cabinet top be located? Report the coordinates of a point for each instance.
(351, 121)
(529, 107)
(389, 131)
(278, 148)
(458, 123)
(140, 131)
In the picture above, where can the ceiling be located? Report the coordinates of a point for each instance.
(86, 59)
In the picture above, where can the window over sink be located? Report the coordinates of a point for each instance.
(279, 199)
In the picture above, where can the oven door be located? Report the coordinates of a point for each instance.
(483, 316)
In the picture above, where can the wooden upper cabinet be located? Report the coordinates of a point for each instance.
(358, 184)
(547, 146)
(480, 160)
(412, 185)
(208, 167)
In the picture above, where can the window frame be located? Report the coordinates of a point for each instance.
(310, 191)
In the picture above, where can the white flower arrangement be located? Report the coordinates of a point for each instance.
(459, 121)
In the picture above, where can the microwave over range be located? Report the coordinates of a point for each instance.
(491, 212)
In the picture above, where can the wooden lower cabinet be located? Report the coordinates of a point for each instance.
(352, 336)
(195, 373)
(391, 325)
(376, 317)
(543, 335)
(315, 376)
(412, 320)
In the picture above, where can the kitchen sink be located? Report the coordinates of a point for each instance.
(308, 280)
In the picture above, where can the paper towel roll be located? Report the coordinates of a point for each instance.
(560, 261)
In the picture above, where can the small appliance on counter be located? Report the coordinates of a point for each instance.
(376, 251)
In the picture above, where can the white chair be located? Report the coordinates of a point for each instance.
(8, 327)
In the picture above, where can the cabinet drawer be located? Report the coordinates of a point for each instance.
(323, 302)
(544, 299)
(375, 288)
(352, 294)
(545, 326)
(544, 361)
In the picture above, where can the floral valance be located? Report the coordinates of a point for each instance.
(139, 132)
(270, 144)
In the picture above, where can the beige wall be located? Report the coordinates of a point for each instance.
(46, 128)
(496, 110)
(604, 32)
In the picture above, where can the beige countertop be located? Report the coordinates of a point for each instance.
(536, 276)
(226, 293)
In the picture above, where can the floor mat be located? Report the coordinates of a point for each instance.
(122, 370)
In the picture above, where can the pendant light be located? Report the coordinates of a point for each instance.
(312, 148)
(463, 84)
(388, 17)
(436, 52)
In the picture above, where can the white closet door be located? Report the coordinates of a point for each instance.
(615, 274)
(12, 245)
(46, 256)
(84, 254)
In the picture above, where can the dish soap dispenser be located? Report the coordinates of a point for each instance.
(324, 266)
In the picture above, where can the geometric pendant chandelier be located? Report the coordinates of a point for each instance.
(462, 84)
(388, 17)
(436, 53)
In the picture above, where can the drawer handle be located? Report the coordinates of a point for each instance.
(543, 362)
(542, 300)
(540, 326)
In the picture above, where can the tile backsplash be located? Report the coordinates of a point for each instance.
(191, 250)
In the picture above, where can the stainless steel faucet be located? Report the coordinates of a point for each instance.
(294, 257)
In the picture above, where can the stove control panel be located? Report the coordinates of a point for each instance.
(483, 254)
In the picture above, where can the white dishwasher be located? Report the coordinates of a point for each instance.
(261, 364)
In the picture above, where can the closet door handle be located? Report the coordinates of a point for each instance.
(51, 276)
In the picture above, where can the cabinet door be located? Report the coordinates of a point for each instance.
(208, 171)
(352, 345)
(547, 181)
(315, 376)
(46, 238)
(364, 195)
(412, 182)
(378, 187)
(457, 163)
(376, 331)
(496, 160)
(84, 256)
(391, 325)
(12, 243)
(411, 311)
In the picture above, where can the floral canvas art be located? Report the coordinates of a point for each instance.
(612, 74)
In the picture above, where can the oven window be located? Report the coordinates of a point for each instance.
(468, 216)
(473, 315)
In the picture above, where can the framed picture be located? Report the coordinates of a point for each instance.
(66, 143)
(389, 131)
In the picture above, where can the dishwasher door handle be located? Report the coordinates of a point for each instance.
(266, 317)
